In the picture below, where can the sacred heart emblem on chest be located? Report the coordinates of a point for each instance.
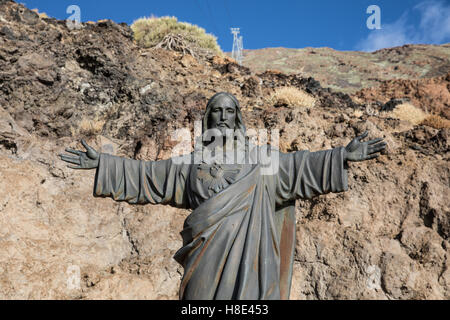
(217, 177)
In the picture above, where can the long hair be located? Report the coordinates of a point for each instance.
(241, 141)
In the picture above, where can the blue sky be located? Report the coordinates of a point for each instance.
(340, 25)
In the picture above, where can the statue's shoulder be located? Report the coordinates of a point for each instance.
(267, 148)
(184, 159)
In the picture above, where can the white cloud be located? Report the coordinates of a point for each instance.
(434, 28)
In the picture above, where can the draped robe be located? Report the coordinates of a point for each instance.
(238, 242)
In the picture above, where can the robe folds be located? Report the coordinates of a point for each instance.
(238, 242)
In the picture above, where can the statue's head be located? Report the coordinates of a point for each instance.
(223, 113)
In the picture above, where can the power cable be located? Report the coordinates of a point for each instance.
(211, 15)
(230, 20)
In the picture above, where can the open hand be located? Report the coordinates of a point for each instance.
(82, 160)
(360, 151)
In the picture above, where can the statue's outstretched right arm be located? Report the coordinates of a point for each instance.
(133, 181)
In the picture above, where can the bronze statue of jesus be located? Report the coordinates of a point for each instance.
(238, 242)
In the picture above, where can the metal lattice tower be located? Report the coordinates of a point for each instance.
(237, 45)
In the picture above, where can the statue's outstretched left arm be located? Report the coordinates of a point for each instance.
(305, 174)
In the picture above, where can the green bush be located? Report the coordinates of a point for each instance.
(148, 32)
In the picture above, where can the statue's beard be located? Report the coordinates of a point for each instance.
(221, 135)
(226, 131)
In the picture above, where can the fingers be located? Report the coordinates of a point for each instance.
(377, 148)
(88, 147)
(365, 134)
(77, 152)
(90, 152)
(372, 156)
(74, 160)
(75, 167)
(374, 141)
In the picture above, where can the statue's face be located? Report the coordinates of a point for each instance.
(223, 115)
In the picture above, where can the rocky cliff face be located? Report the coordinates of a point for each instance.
(386, 238)
(351, 71)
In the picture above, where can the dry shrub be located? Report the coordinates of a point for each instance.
(274, 71)
(149, 32)
(408, 112)
(88, 127)
(436, 122)
(175, 42)
(42, 15)
(291, 96)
